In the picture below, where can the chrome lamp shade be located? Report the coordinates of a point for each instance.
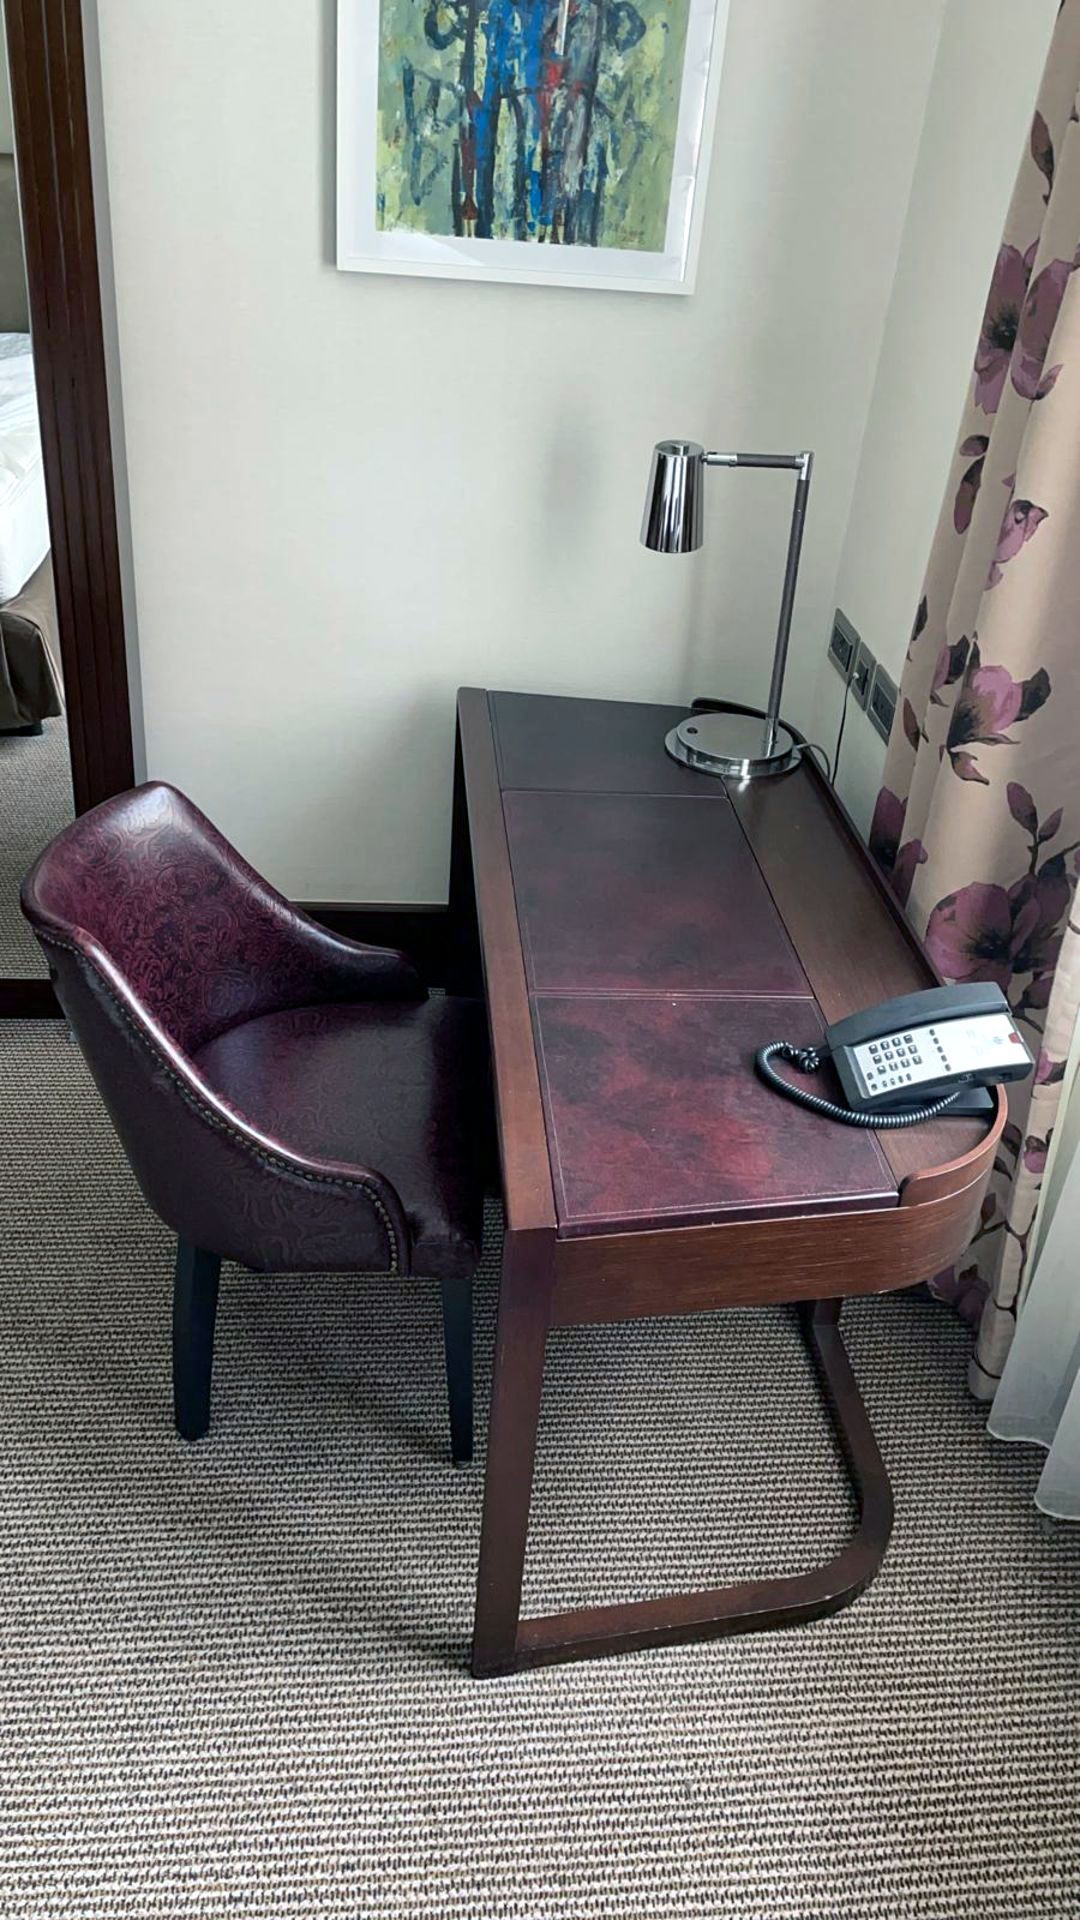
(740, 746)
(674, 519)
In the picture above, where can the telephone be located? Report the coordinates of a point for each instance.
(910, 1059)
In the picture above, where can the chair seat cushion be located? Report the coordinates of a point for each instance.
(398, 1087)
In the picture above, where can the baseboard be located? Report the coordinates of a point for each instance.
(28, 1000)
(420, 931)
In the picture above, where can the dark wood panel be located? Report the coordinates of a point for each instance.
(593, 746)
(853, 941)
(631, 1276)
(517, 1384)
(639, 893)
(526, 1171)
(656, 1116)
(52, 148)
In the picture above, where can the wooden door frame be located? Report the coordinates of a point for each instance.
(46, 56)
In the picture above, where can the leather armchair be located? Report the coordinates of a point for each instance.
(288, 1099)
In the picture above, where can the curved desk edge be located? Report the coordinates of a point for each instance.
(935, 1182)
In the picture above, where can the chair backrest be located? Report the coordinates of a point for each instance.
(147, 885)
(160, 937)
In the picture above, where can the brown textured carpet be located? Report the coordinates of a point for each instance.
(233, 1676)
(35, 802)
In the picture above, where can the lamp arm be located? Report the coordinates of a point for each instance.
(802, 464)
(792, 461)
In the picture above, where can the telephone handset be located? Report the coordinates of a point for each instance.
(910, 1059)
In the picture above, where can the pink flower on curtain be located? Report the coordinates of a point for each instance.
(989, 702)
(886, 829)
(989, 932)
(1049, 884)
(966, 1292)
(1048, 1072)
(971, 480)
(1004, 305)
(918, 625)
(1020, 522)
(977, 932)
(951, 664)
(913, 733)
(1036, 1151)
(1042, 151)
(1037, 323)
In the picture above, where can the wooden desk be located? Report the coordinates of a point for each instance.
(638, 931)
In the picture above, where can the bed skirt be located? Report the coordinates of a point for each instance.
(31, 684)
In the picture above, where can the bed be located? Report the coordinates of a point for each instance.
(31, 683)
(31, 688)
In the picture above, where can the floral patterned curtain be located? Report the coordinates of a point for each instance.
(978, 820)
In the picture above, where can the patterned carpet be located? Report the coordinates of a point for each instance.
(35, 802)
(233, 1676)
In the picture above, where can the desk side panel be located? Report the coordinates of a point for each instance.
(853, 941)
(526, 1168)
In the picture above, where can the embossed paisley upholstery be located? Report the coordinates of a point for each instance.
(287, 1098)
(382, 1084)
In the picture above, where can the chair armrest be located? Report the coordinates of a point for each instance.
(363, 972)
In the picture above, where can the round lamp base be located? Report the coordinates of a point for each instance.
(732, 745)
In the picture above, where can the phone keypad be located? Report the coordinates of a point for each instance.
(932, 1054)
(893, 1062)
(899, 1060)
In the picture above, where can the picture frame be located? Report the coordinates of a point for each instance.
(539, 142)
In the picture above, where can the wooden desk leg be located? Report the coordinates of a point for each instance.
(504, 1642)
(524, 1316)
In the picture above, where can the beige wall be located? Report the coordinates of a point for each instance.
(978, 115)
(351, 493)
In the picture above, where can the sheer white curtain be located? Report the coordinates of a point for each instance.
(1039, 1395)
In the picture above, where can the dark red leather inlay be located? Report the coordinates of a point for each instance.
(591, 746)
(655, 1115)
(636, 892)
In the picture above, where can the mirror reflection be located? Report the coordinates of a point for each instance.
(35, 768)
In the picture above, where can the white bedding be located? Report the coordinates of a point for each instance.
(24, 525)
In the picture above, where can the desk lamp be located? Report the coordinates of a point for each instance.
(742, 746)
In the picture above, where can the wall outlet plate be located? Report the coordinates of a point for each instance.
(862, 673)
(882, 704)
(843, 645)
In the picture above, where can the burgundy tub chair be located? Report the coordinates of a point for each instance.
(287, 1098)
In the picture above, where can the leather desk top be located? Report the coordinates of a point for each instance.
(668, 927)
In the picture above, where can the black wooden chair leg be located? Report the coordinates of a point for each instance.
(457, 1332)
(195, 1297)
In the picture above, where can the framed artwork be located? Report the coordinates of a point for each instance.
(561, 142)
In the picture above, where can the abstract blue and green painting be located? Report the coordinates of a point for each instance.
(542, 120)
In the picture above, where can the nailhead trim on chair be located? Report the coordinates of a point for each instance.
(212, 1119)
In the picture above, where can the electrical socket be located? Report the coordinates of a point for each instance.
(882, 705)
(843, 645)
(862, 673)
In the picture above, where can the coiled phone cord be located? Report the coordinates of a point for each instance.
(808, 1060)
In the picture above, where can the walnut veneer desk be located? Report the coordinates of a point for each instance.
(638, 930)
